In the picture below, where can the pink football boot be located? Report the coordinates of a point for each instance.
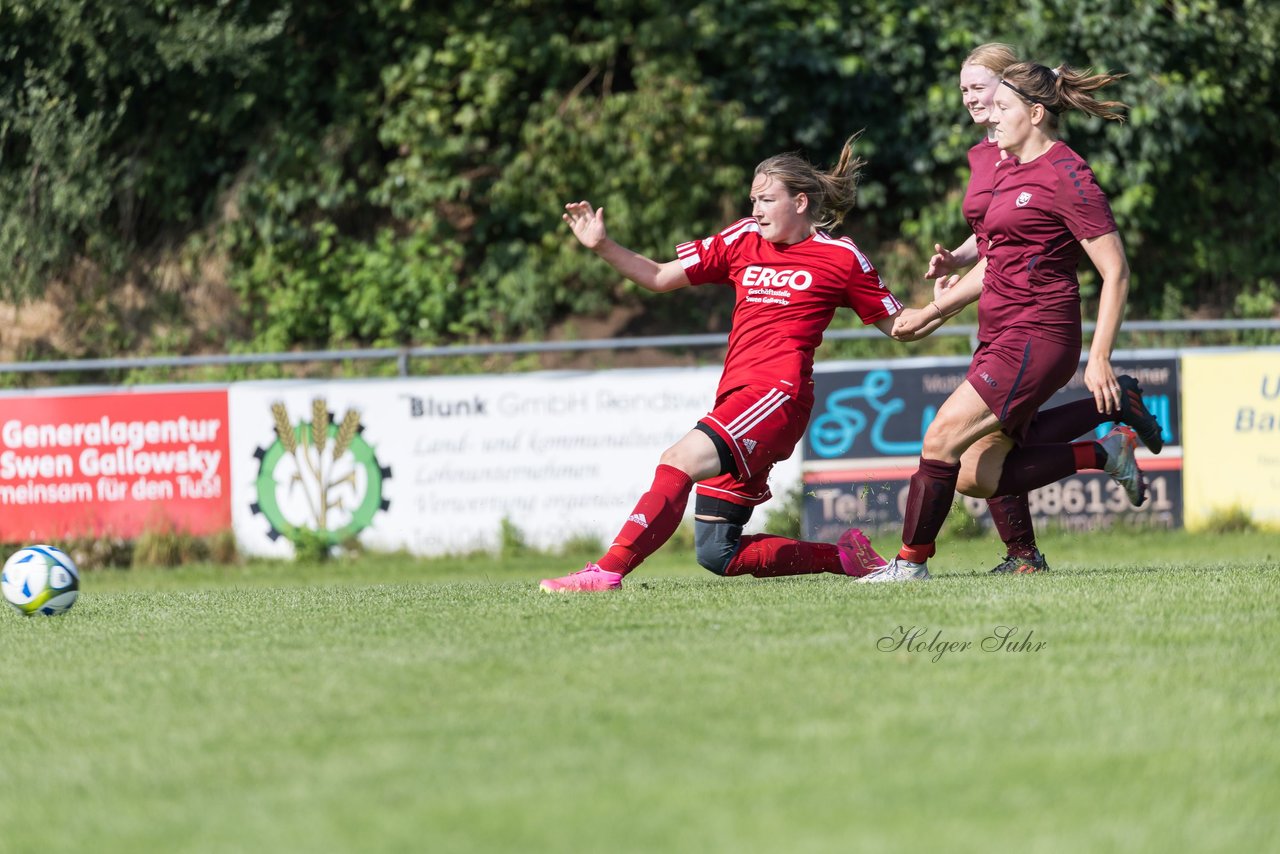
(583, 581)
(857, 557)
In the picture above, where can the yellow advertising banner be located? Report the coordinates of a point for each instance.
(1231, 435)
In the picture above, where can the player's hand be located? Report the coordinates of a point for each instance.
(908, 323)
(942, 284)
(587, 224)
(1101, 380)
(942, 262)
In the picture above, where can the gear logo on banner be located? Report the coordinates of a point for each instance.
(318, 479)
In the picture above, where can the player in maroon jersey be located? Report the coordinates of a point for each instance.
(1045, 208)
(979, 78)
(789, 276)
(1011, 514)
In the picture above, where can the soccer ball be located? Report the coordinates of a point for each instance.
(40, 580)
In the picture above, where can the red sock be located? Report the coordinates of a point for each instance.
(768, 556)
(655, 519)
(929, 497)
(1012, 517)
(1089, 455)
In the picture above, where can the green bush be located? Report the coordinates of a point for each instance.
(310, 546)
(1229, 520)
(403, 183)
(117, 122)
(784, 514)
(511, 540)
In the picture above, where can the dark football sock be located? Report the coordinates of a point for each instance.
(1064, 423)
(1031, 467)
(1012, 517)
(929, 497)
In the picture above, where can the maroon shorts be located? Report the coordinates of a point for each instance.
(761, 425)
(1017, 374)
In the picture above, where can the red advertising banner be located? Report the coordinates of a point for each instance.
(113, 464)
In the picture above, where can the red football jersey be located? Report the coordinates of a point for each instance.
(786, 297)
(1039, 213)
(983, 158)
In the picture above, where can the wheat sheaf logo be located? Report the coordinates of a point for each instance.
(318, 478)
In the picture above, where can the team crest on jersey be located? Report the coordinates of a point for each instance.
(1022, 200)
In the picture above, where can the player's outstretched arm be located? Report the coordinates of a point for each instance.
(914, 324)
(910, 324)
(588, 226)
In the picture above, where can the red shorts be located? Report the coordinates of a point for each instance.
(1017, 374)
(761, 425)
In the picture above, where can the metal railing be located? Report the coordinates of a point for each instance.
(403, 355)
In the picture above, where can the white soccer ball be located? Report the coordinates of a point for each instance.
(40, 580)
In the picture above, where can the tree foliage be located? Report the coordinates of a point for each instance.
(391, 171)
(112, 124)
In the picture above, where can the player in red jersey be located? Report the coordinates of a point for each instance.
(789, 276)
(1045, 207)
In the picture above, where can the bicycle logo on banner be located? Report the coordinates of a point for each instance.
(849, 411)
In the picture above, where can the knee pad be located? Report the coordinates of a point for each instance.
(715, 544)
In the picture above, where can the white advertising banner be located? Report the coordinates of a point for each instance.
(435, 465)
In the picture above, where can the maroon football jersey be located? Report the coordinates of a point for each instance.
(785, 297)
(1039, 213)
(983, 158)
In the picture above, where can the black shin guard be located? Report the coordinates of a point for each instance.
(716, 542)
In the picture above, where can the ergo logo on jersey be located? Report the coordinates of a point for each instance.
(767, 277)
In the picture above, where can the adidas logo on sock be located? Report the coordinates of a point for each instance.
(639, 519)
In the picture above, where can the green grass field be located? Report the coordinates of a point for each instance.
(389, 704)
